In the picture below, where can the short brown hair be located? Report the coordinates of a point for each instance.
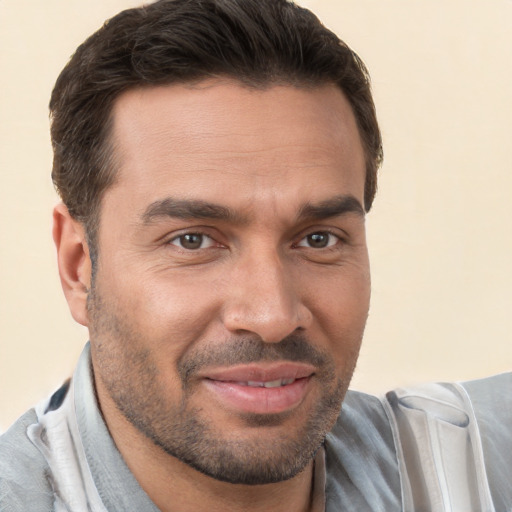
(257, 42)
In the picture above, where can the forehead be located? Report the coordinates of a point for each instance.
(219, 134)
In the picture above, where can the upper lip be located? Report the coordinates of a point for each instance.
(260, 372)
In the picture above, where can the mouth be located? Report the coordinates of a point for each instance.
(260, 389)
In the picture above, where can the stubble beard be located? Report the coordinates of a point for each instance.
(131, 378)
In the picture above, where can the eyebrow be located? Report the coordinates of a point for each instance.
(187, 209)
(190, 209)
(334, 207)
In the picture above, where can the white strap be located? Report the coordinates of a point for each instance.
(439, 449)
(56, 436)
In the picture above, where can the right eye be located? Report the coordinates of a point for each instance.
(193, 241)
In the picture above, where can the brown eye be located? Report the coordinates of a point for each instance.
(192, 241)
(318, 240)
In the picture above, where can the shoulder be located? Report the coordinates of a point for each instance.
(488, 401)
(23, 470)
(492, 393)
(457, 434)
(491, 400)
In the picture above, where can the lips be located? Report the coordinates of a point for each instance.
(260, 388)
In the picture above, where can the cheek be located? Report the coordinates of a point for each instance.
(170, 311)
(340, 308)
(340, 296)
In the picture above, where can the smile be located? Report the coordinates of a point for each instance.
(260, 388)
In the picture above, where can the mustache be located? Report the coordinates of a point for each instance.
(252, 349)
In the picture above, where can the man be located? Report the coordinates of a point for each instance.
(215, 160)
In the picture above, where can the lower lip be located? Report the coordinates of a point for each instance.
(259, 400)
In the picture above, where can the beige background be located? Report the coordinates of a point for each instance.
(440, 232)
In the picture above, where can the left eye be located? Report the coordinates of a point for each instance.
(318, 240)
(193, 241)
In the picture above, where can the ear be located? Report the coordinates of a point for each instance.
(74, 262)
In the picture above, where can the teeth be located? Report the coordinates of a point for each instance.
(273, 383)
(268, 384)
(252, 384)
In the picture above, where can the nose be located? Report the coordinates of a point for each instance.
(264, 299)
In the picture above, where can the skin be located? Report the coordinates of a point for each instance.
(283, 277)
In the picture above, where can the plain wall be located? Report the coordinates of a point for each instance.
(439, 234)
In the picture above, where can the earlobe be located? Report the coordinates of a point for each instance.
(74, 261)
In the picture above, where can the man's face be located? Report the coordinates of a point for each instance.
(232, 284)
